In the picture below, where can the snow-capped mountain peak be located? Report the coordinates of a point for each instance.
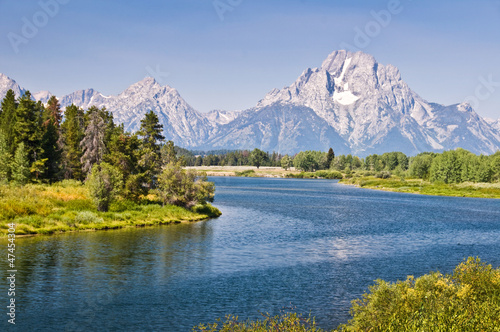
(351, 103)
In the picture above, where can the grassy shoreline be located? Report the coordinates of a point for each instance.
(421, 187)
(60, 208)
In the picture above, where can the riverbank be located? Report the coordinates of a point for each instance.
(418, 186)
(66, 207)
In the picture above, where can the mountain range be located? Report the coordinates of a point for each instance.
(351, 103)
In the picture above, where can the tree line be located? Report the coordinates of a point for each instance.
(41, 143)
(455, 166)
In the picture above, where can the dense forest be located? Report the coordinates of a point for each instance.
(41, 144)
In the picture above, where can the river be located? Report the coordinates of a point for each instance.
(310, 245)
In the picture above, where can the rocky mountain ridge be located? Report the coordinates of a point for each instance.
(351, 103)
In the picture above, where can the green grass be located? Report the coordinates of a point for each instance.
(246, 174)
(417, 186)
(316, 175)
(66, 207)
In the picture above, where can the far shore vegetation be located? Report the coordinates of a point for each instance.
(77, 170)
(450, 173)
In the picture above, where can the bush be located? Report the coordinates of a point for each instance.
(383, 175)
(68, 184)
(290, 322)
(467, 300)
(87, 217)
(104, 183)
(247, 173)
(185, 188)
(207, 209)
(329, 174)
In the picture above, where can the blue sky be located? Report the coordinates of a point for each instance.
(445, 50)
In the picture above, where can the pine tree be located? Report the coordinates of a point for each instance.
(72, 131)
(28, 126)
(51, 141)
(123, 151)
(330, 157)
(5, 159)
(20, 165)
(8, 119)
(151, 136)
(93, 142)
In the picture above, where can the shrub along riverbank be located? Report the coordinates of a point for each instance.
(66, 207)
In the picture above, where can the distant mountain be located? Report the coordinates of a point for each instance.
(350, 103)
(6, 84)
(495, 124)
(374, 110)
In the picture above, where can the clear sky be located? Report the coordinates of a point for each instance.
(227, 54)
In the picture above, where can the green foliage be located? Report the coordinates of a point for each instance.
(150, 159)
(246, 174)
(51, 144)
(185, 188)
(310, 161)
(4, 159)
(8, 119)
(207, 209)
(420, 166)
(28, 126)
(329, 157)
(467, 300)
(87, 217)
(318, 174)
(20, 165)
(287, 322)
(104, 184)
(258, 157)
(383, 175)
(286, 162)
(72, 130)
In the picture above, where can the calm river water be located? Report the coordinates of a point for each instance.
(309, 244)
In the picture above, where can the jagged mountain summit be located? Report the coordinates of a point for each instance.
(350, 103)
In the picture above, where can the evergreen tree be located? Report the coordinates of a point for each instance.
(72, 131)
(51, 141)
(329, 158)
(27, 127)
(4, 159)
(8, 119)
(20, 165)
(168, 153)
(151, 136)
(123, 149)
(93, 145)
